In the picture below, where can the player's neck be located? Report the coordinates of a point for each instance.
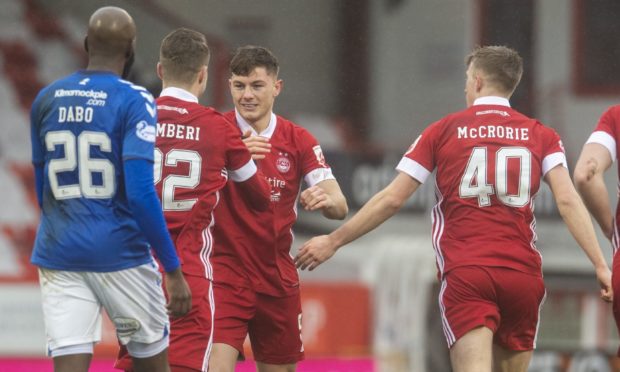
(261, 124)
(192, 88)
(491, 92)
(100, 64)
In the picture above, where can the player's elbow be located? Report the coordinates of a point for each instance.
(581, 177)
(392, 203)
(339, 211)
(585, 173)
(257, 193)
(567, 201)
(344, 211)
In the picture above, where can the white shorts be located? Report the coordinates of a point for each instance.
(133, 299)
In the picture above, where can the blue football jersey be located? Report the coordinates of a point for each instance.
(82, 127)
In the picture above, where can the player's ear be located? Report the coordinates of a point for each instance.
(203, 74)
(278, 87)
(479, 82)
(160, 71)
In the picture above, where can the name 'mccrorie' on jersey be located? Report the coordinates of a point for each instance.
(489, 160)
(82, 127)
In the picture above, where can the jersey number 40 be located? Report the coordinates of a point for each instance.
(474, 181)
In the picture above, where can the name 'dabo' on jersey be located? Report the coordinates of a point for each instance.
(75, 114)
(178, 131)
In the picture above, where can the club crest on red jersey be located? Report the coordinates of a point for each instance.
(282, 163)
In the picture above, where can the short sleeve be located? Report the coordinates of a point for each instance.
(35, 122)
(140, 124)
(314, 167)
(553, 151)
(605, 132)
(419, 160)
(239, 161)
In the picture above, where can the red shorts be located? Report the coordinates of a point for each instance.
(504, 300)
(190, 335)
(273, 323)
(615, 284)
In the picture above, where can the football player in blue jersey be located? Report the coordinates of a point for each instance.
(93, 137)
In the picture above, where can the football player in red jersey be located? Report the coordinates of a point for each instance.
(490, 160)
(597, 156)
(256, 282)
(197, 150)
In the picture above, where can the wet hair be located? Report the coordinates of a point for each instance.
(182, 54)
(501, 65)
(249, 57)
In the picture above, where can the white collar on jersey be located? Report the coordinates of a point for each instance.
(244, 125)
(492, 100)
(179, 93)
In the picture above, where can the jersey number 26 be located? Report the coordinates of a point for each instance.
(77, 155)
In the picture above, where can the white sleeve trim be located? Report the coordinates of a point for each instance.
(244, 173)
(605, 139)
(414, 169)
(318, 175)
(552, 160)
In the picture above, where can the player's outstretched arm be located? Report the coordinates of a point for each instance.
(577, 219)
(146, 209)
(376, 211)
(588, 176)
(327, 197)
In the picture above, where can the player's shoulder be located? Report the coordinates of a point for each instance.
(612, 111)
(130, 89)
(215, 117)
(61, 84)
(230, 116)
(292, 129)
(59, 88)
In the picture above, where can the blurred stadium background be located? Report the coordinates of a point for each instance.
(365, 76)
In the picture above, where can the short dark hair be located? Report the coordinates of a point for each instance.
(249, 57)
(503, 66)
(182, 54)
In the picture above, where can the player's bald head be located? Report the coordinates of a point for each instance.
(111, 31)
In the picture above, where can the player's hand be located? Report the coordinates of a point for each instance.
(314, 252)
(314, 198)
(604, 279)
(258, 146)
(179, 294)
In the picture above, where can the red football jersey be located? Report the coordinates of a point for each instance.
(253, 248)
(489, 160)
(607, 133)
(196, 151)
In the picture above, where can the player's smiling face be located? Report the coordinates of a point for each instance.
(253, 95)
